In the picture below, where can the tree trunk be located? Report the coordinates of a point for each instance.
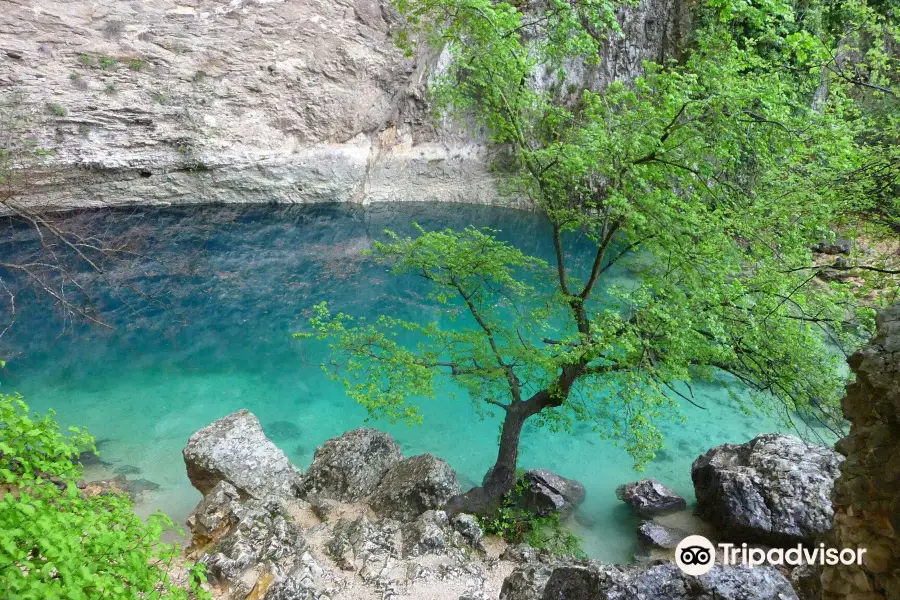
(502, 476)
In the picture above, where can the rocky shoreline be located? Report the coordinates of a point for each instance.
(366, 522)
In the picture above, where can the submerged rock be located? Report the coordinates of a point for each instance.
(413, 486)
(774, 490)
(281, 430)
(594, 581)
(349, 467)
(235, 449)
(649, 497)
(547, 492)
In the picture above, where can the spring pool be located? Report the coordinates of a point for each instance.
(221, 290)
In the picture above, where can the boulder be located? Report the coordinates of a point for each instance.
(235, 449)
(660, 536)
(469, 528)
(413, 486)
(349, 467)
(649, 497)
(773, 490)
(547, 492)
(836, 246)
(594, 581)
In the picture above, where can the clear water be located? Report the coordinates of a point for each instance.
(233, 284)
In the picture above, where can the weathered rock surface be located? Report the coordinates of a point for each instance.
(243, 542)
(180, 101)
(547, 492)
(413, 486)
(235, 449)
(660, 536)
(649, 497)
(592, 581)
(775, 489)
(867, 493)
(349, 467)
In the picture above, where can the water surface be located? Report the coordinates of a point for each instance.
(228, 285)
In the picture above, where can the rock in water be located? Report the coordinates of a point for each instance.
(774, 490)
(348, 467)
(413, 486)
(593, 581)
(649, 497)
(547, 492)
(235, 449)
(660, 536)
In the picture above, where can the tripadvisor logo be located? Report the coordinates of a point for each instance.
(696, 555)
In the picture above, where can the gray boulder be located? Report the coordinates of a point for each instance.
(469, 528)
(547, 492)
(660, 536)
(235, 449)
(649, 497)
(349, 467)
(594, 581)
(774, 490)
(413, 486)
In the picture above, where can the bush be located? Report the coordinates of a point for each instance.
(56, 543)
(515, 524)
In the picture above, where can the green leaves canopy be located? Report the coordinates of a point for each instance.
(707, 179)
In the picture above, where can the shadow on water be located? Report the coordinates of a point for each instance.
(229, 284)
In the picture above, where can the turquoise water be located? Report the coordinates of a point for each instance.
(228, 286)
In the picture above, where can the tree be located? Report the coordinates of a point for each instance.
(57, 543)
(707, 180)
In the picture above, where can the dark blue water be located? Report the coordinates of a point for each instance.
(199, 324)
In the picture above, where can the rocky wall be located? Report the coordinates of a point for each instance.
(867, 493)
(179, 101)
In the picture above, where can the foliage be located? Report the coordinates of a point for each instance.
(136, 64)
(516, 525)
(57, 543)
(58, 109)
(704, 181)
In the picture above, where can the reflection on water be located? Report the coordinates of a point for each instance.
(229, 285)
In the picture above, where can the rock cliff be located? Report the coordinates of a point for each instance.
(867, 493)
(177, 101)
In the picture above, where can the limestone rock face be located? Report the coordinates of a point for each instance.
(181, 101)
(547, 492)
(413, 486)
(775, 489)
(593, 581)
(349, 467)
(649, 497)
(235, 449)
(867, 492)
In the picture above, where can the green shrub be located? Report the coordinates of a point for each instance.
(56, 543)
(58, 109)
(514, 524)
(136, 64)
(107, 62)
